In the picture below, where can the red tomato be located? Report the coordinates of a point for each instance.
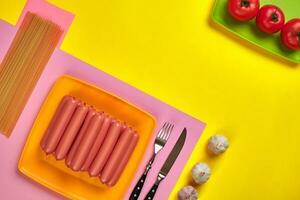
(243, 10)
(270, 19)
(290, 34)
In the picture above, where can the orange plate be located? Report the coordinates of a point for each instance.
(54, 174)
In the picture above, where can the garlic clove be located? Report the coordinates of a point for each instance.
(201, 173)
(218, 144)
(188, 193)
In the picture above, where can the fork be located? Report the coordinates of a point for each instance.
(160, 141)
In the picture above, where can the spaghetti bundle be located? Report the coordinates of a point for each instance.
(22, 66)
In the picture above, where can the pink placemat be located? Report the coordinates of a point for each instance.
(14, 185)
(42, 8)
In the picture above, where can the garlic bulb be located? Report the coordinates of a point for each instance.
(188, 193)
(201, 173)
(218, 144)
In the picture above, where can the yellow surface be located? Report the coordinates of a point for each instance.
(55, 174)
(171, 50)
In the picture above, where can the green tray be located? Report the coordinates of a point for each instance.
(249, 31)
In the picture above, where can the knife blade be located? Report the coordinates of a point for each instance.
(168, 164)
(174, 154)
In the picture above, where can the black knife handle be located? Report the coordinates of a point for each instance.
(138, 187)
(152, 191)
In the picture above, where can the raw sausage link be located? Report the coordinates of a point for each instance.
(123, 125)
(98, 142)
(106, 149)
(60, 125)
(71, 132)
(123, 162)
(78, 139)
(54, 119)
(87, 141)
(116, 156)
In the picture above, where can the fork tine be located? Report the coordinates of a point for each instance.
(169, 133)
(161, 131)
(165, 131)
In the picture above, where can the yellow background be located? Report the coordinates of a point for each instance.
(170, 49)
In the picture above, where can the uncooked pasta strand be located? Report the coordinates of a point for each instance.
(43, 53)
(14, 53)
(23, 64)
(15, 81)
(13, 91)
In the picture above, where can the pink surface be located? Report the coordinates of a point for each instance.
(60, 17)
(14, 185)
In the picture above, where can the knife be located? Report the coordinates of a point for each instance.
(168, 164)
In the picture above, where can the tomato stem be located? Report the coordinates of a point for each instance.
(245, 3)
(274, 17)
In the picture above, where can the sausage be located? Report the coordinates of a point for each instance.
(123, 161)
(98, 142)
(123, 127)
(87, 141)
(106, 149)
(116, 155)
(60, 125)
(71, 132)
(53, 121)
(82, 132)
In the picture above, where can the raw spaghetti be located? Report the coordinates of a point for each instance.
(23, 64)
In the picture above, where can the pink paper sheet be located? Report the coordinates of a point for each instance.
(14, 185)
(60, 17)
